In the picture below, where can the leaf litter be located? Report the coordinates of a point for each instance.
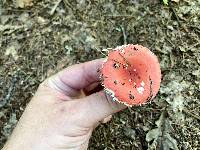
(45, 36)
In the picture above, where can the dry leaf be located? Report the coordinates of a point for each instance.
(175, 1)
(24, 3)
(12, 51)
(165, 2)
(160, 136)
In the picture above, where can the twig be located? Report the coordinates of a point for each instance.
(196, 27)
(194, 45)
(102, 52)
(17, 10)
(124, 35)
(119, 16)
(191, 114)
(170, 42)
(163, 129)
(174, 12)
(11, 89)
(178, 20)
(67, 5)
(55, 6)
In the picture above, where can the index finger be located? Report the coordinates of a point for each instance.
(74, 78)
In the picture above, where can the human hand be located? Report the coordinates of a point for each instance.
(60, 116)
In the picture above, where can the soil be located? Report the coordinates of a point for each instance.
(39, 38)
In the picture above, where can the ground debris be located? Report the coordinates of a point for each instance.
(24, 3)
(42, 37)
(161, 135)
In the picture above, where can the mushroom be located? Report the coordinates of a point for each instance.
(131, 74)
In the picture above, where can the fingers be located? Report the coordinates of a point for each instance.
(93, 88)
(74, 78)
(100, 105)
(107, 119)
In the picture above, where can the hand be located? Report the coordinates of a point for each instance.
(60, 116)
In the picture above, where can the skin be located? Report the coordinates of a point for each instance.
(60, 116)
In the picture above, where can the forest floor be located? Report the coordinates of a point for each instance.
(39, 38)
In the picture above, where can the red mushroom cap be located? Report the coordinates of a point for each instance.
(131, 74)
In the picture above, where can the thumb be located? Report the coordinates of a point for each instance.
(100, 106)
